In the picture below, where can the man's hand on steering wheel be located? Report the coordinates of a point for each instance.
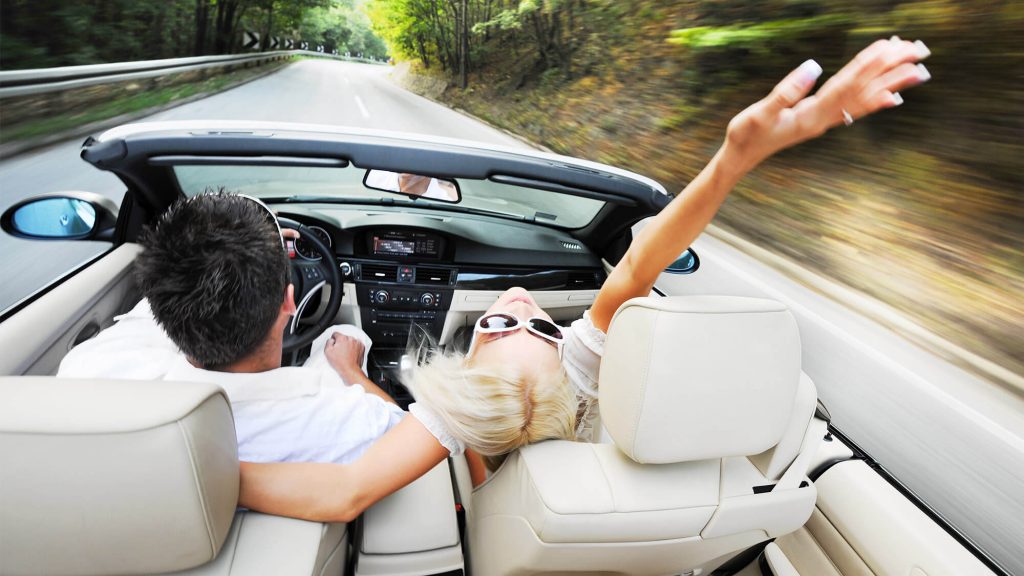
(310, 277)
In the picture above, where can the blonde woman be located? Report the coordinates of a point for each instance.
(526, 380)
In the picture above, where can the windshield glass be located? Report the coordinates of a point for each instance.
(320, 183)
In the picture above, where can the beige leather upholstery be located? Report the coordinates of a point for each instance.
(563, 507)
(127, 477)
(774, 461)
(262, 544)
(113, 477)
(414, 530)
(699, 377)
(35, 339)
(863, 526)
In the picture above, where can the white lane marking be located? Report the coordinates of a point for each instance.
(362, 107)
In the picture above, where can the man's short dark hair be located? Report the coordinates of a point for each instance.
(215, 274)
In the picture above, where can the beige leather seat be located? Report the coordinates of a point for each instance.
(122, 477)
(712, 426)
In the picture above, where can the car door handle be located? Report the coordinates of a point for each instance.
(88, 331)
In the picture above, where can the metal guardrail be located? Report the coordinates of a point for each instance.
(38, 81)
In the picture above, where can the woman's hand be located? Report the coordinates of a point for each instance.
(868, 83)
(787, 116)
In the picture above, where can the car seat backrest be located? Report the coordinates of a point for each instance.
(711, 420)
(114, 477)
(691, 378)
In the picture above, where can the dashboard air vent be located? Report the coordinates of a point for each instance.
(574, 246)
(378, 273)
(581, 280)
(438, 276)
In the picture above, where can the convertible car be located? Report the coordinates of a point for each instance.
(717, 456)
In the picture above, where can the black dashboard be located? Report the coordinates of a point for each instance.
(407, 267)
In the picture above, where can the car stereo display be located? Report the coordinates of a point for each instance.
(393, 247)
(406, 244)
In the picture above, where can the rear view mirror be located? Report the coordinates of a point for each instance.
(685, 264)
(415, 185)
(61, 216)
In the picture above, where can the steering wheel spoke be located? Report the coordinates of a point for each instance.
(309, 279)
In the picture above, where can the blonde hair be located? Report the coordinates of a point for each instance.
(494, 409)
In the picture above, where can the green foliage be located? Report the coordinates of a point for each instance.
(45, 33)
(754, 36)
(344, 28)
(467, 33)
(920, 206)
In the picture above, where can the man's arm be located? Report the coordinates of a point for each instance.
(344, 354)
(340, 492)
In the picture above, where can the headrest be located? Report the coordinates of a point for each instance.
(698, 377)
(113, 477)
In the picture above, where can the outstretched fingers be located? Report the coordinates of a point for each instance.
(872, 80)
(899, 78)
(789, 115)
(793, 88)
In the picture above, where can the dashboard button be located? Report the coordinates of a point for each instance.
(427, 299)
(381, 297)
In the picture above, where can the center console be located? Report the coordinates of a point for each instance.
(397, 298)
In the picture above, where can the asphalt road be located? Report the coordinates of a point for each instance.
(315, 91)
(953, 438)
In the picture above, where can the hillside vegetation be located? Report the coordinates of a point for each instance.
(47, 33)
(921, 207)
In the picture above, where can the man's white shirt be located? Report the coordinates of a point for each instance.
(306, 413)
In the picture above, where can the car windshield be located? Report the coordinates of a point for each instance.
(327, 183)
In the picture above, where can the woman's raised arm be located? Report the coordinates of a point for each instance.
(340, 492)
(787, 116)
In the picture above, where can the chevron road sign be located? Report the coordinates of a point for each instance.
(305, 45)
(250, 40)
(290, 44)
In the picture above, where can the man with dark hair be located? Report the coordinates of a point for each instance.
(217, 279)
(215, 275)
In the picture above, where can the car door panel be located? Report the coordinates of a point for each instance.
(37, 337)
(863, 526)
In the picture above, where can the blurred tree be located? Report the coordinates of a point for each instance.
(44, 33)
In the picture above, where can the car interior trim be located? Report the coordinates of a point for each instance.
(962, 539)
(292, 161)
(561, 189)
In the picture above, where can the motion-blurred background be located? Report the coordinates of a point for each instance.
(912, 219)
(920, 207)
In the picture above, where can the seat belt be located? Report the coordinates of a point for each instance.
(796, 472)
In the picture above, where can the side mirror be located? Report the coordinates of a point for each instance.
(413, 185)
(685, 264)
(61, 216)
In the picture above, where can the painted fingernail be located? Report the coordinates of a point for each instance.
(922, 73)
(809, 72)
(922, 50)
(896, 99)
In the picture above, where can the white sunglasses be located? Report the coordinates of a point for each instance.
(504, 322)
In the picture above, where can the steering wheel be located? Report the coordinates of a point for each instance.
(309, 278)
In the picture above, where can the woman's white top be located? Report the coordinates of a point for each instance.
(581, 358)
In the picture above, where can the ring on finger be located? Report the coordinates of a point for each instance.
(847, 117)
